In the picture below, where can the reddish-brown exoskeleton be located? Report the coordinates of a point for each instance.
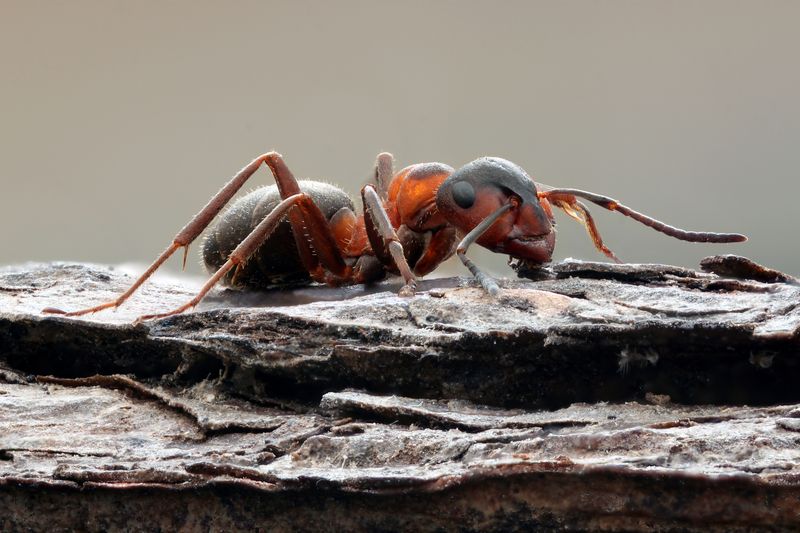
(296, 232)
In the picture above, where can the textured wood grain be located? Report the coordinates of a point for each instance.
(611, 397)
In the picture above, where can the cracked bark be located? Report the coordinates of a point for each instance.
(601, 396)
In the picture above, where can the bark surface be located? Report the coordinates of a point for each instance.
(610, 397)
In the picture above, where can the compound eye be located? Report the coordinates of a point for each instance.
(463, 194)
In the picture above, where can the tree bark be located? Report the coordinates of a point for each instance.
(606, 397)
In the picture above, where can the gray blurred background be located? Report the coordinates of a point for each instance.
(121, 119)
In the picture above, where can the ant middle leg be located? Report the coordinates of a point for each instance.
(384, 172)
(381, 231)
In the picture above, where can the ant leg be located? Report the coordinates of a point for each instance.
(384, 172)
(184, 237)
(568, 195)
(579, 212)
(239, 255)
(488, 284)
(375, 212)
(316, 243)
(440, 247)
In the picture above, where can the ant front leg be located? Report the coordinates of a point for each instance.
(185, 236)
(488, 284)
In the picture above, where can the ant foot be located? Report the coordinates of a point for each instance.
(408, 290)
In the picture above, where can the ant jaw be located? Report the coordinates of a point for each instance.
(532, 250)
(530, 269)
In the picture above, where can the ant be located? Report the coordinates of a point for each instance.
(299, 231)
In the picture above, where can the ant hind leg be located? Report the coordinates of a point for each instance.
(184, 237)
(239, 255)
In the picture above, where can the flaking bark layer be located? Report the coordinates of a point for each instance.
(610, 397)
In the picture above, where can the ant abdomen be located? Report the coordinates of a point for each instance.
(277, 262)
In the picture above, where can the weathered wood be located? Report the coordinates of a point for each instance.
(356, 409)
(598, 332)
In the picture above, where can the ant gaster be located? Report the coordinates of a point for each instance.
(299, 231)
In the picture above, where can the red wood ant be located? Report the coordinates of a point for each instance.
(296, 232)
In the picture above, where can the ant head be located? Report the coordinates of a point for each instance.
(478, 189)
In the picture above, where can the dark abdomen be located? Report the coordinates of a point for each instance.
(276, 262)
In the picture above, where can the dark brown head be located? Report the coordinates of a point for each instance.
(478, 189)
